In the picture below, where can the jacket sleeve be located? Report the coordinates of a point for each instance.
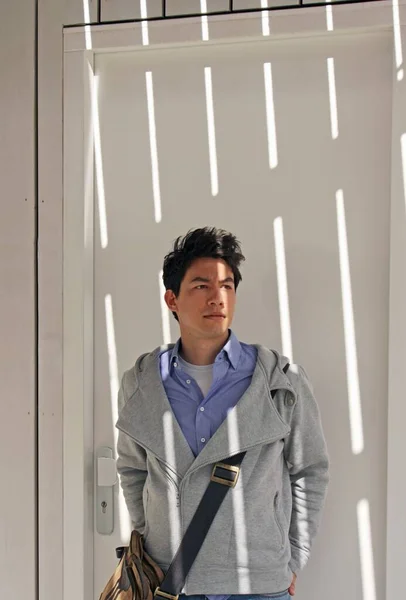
(308, 463)
(132, 468)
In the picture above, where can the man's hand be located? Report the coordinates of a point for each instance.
(291, 590)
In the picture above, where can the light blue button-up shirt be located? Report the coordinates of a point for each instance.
(232, 374)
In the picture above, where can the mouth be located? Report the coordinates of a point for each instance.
(215, 317)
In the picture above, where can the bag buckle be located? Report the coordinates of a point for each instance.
(160, 594)
(225, 474)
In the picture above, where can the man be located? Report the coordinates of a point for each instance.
(186, 406)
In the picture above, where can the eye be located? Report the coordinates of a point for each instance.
(202, 285)
(229, 287)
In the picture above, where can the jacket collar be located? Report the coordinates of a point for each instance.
(254, 419)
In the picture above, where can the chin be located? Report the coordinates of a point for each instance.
(217, 328)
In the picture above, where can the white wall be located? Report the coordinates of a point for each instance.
(18, 410)
(50, 18)
(17, 307)
(396, 522)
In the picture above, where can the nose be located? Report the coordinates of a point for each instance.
(216, 298)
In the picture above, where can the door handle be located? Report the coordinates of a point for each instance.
(106, 471)
(106, 479)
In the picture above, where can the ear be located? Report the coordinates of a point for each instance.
(170, 300)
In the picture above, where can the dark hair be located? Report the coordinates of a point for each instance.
(205, 242)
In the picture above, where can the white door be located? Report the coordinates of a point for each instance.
(286, 144)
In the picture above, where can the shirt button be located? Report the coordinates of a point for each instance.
(203, 440)
(175, 364)
(202, 408)
(187, 380)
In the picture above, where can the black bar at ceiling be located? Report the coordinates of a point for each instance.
(99, 11)
(164, 9)
(236, 11)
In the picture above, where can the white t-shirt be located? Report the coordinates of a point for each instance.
(202, 374)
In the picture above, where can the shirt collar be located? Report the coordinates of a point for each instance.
(231, 350)
(175, 352)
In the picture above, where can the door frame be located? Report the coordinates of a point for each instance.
(80, 121)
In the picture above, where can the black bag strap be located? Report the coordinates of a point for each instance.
(224, 475)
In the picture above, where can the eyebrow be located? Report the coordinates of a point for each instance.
(206, 280)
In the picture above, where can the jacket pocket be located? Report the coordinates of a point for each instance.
(146, 527)
(277, 519)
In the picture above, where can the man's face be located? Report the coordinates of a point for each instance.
(206, 301)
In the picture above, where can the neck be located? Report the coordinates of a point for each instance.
(201, 352)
